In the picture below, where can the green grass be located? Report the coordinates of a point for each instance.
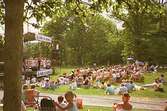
(149, 78)
(64, 70)
(95, 108)
(59, 71)
(79, 91)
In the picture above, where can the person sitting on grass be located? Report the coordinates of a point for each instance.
(71, 105)
(61, 103)
(47, 84)
(79, 81)
(162, 79)
(130, 86)
(110, 89)
(158, 86)
(73, 85)
(125, 105)
(123, 89)
(103, 85)
(86, 83)
(52, 85)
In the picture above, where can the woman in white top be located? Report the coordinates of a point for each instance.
(125, 105)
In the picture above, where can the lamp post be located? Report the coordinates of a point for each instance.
(58, 56)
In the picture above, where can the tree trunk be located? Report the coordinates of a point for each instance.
(13, 54)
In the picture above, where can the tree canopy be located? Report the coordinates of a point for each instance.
(141, 37)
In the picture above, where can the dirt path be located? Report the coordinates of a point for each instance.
(155, 104)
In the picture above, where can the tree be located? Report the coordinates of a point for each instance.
(13, 54)
(84, 43)
(141, 18)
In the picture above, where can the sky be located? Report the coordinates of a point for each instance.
(26, 27)
(118, 23)
(30, 28)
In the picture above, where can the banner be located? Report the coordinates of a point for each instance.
(45, 72)
(44, 38)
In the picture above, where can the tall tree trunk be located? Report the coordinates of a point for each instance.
(13, 54)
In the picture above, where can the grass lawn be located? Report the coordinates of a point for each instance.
(79, 91)
(59, 71)
(149, 78)
(93, 108)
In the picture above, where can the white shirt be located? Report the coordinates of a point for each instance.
(33, 80)
(62, 105)
(28, 81)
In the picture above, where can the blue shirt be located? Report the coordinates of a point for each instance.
(74, 107)
(110, 90)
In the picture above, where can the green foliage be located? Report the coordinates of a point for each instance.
(74, 27)
(37, 50)
(95, 40)
(142, 22)
(143, 30)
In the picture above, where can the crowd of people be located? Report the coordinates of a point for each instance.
(36, 64)
(68, 102)
(101, 77)
(124, 76)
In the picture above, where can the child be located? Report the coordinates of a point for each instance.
(71, 106)
(125, 106)
(61, 103)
